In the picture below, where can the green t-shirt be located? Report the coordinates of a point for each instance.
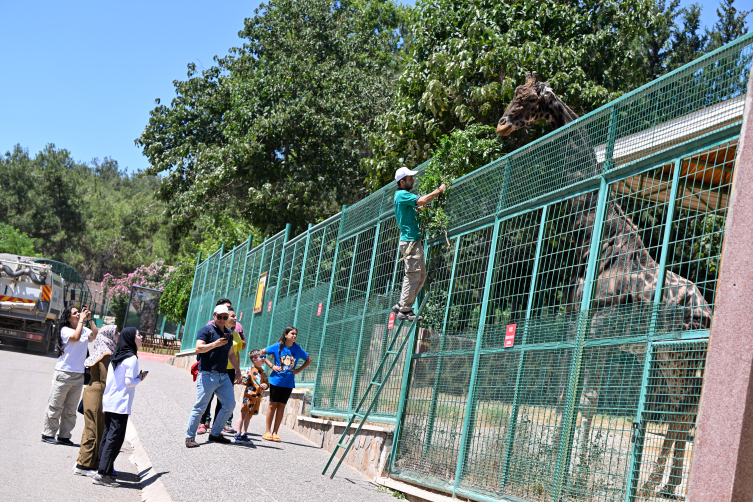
(406, 216)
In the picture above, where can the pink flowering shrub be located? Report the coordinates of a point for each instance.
(153, 276)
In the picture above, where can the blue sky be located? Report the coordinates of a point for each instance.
(84, 75)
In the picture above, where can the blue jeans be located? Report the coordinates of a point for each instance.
(208, 383)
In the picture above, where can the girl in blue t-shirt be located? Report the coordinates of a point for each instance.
(286, 354)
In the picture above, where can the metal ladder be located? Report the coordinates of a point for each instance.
(392, 353)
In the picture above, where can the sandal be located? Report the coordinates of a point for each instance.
(268, 437)
(276, 438)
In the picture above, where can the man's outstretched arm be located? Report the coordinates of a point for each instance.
(422, 201)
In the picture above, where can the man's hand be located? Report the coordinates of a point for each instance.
(442, 188)
(219, 343)
(237, 378)
(277, 368)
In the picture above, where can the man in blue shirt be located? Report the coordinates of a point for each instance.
(411, 248)
(214, 352)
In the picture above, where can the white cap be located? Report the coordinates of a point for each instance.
(221, 309)
(403, 172)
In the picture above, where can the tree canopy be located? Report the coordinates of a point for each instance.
(275, 132)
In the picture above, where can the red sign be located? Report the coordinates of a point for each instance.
(510, 335)
(240, 317)
(32, 336)
(392, 321)
(269, 307)
(319, 312)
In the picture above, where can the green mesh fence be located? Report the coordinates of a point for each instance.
(563, 344)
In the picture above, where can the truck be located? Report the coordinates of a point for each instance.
(32, 297)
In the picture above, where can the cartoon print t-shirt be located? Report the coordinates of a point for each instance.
(286, 360)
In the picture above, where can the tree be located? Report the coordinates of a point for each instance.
(274, 133)
(467, 57)
(13, 241)
(173, 304)
(686, 43)
(729, 27)
(660, 28)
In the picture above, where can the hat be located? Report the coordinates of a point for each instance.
(221, 309)
(403, 172)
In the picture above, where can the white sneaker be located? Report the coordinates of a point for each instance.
(84, 472)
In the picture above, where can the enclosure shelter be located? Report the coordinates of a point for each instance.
(565, 331)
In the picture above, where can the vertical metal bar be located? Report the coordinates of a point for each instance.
(277, 288)
(437, 370)
(333, 277)
(407, 371)
(338, 358)
(519, 375)
(575, 380)
(374, 250)
(194, 290)
(667, 235)
(258, 272)
(476, 356)
(243, 273)
(609, 154)
(321, 253)
(636, 457)
(162, 328)
(226, 278)
(303, 274)
(217, 274)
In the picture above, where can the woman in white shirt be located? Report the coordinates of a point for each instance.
(72, 341)
(122, 377)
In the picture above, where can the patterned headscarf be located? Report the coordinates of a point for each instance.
(104, 344)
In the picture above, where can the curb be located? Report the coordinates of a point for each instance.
(152, 489)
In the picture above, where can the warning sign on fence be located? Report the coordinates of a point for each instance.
(319, 312)
(392, 321)
(269, 307)
(510, 335)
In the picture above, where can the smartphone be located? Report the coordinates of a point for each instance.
(142, 372)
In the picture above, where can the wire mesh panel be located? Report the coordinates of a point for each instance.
(341, 335)
(696, 234)
(483, 187)
(314, 290)
(666, 436)
(269, 263)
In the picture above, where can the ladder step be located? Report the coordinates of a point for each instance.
(391, 352)
(377, 383)
(340, 446)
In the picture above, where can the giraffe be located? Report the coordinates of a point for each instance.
(626, 272)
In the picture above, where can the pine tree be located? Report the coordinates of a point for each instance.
(687, 44)
(659, 29)
(731, 25)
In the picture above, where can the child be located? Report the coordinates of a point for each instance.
(255, 381)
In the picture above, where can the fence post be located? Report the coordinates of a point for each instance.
(217, 274)
(333, 278)
(575, 380)
(277, 288)
(226, 277)
(192, 302)
(518, 376)
(303, 273)
(243, 273)
(437, 370)
(636, 457)
(374, 251)
(476, 356)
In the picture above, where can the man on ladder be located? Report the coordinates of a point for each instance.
(411, 247)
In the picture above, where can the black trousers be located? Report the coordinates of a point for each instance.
(208, 414)
(112, 440)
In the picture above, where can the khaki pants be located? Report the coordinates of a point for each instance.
(415, 273)
(60, 418)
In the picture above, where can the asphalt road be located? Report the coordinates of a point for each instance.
(36, 471)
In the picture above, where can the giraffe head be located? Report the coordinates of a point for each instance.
(533, 101)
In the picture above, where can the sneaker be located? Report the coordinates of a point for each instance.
(65, 441)
(219, 438)
(202, 429)
(239, 439)
(49, 439)
(80, 471)
(103, 480)
(191, 443)
(406, 316)
(396, 308)
(229, 430)
(246, 439)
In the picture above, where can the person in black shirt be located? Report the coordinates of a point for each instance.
(214, 352)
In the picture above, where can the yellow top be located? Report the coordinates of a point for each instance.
(237, 347)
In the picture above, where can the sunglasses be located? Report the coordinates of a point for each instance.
(223, 317)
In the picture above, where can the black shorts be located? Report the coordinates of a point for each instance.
(279, 394)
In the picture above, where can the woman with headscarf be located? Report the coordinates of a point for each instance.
(94, 420)
(122, 377)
